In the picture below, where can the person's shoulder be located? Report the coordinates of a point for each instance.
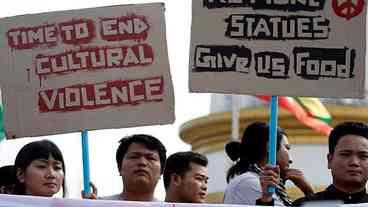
(245, 180)
(365, 198)
(314, 197)
(111, 197)
(247, 176)
(243, 189)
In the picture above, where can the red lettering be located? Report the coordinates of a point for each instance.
(124, 28)
(77, 31)
(100, 95)
(31, 37)
(94, 58)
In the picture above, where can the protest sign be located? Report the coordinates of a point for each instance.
(88, 69)
(277, 47)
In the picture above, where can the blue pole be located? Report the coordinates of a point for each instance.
(273, 134)
(85, 157)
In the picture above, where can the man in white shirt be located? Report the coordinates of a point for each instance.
(141, 159)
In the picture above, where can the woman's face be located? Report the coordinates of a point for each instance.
(43, 177)
(283, 157)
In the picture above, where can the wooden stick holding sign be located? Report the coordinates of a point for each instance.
(272, 143)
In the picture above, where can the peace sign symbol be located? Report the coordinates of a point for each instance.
(347, 8)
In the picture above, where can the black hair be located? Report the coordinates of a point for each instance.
(345, 128)
(251, 150)
(7, 175)
(34, 151)
(179, 163)
(149, 141)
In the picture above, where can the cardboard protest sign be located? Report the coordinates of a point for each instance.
(85, 69)
(277, 47)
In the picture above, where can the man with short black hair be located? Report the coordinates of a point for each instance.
(141, 159)
(185, 177)
(348, 162)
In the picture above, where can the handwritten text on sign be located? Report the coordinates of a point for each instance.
(277, 47)
(101, 63)
(79, 32)
(83, 31)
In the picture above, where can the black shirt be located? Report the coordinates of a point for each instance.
(332, 193)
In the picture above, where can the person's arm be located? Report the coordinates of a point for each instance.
(297, 177)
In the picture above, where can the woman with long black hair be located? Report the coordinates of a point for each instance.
(250, 157)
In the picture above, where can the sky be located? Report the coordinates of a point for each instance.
(103, 143)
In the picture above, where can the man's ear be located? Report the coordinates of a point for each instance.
(175, 179)
(329, 160)
(20, 175)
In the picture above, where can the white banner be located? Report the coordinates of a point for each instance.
(85, 69)
(294, 48)
(34, 201)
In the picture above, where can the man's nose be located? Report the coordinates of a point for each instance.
(204, 187)
(354, 160)
(143, 161)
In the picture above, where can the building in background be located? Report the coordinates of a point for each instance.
(209, 134)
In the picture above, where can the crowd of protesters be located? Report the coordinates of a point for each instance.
(39, 170)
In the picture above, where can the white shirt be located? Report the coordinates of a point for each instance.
(246, 189)
(118, 197)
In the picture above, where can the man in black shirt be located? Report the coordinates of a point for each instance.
(348, 162)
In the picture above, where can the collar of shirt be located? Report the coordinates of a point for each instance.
(346, 197)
